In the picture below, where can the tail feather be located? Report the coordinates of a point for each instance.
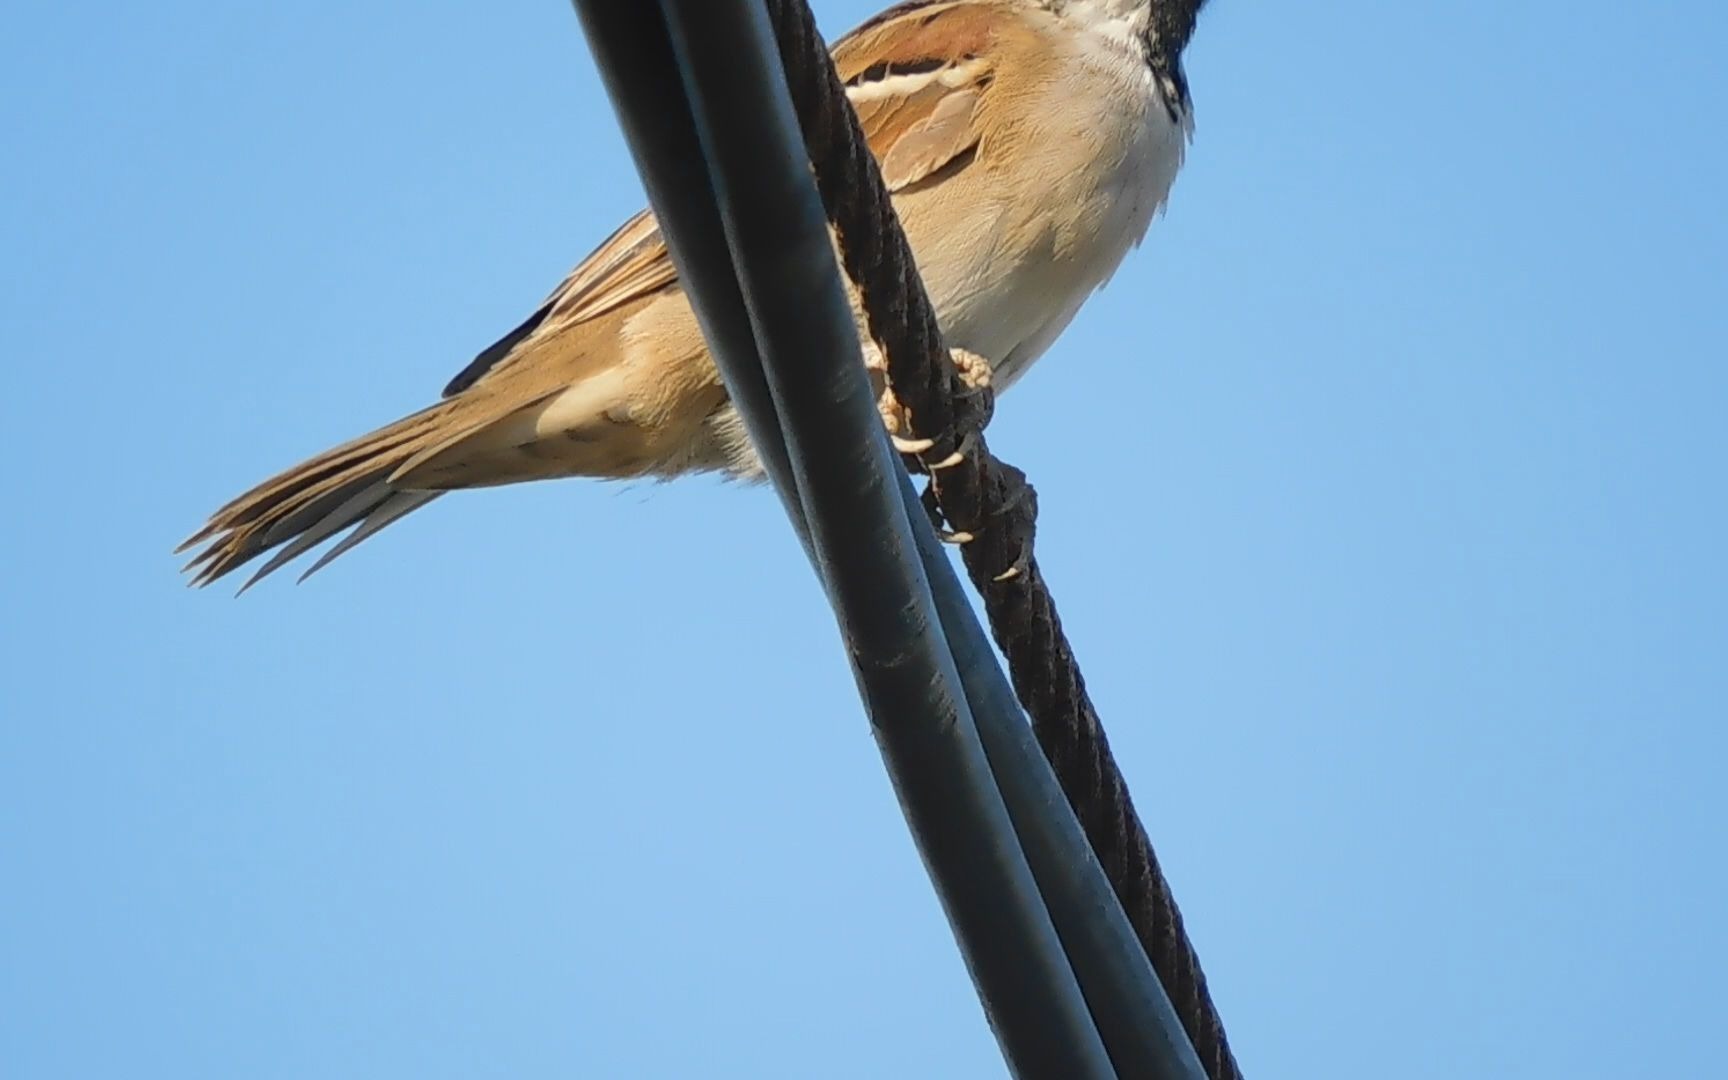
(244, 508)
(275, 528)
(388, 512)
(304, 506)
(356, 507)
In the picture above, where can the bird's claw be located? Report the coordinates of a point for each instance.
(974, 372)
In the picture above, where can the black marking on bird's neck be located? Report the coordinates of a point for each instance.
(1168, 31)
(1155, 30)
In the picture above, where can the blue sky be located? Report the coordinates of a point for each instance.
(1382, 491)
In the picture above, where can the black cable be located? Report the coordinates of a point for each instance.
(991, 500)
(858, 524)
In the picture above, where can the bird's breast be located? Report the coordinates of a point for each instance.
(1011, 260)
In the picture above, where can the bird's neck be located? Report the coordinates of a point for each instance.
(1161, 27)
(1170, 25)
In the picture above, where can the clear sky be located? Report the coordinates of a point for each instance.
(1382, 491)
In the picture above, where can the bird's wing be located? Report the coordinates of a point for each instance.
(915, 74)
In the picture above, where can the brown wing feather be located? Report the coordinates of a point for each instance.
(932, 143)
(914, 134)
(910, 37)
(633, 263)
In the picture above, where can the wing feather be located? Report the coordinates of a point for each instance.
(916, 75)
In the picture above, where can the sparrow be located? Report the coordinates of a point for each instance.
(1027, 144)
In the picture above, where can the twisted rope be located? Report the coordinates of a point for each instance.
(992, 501)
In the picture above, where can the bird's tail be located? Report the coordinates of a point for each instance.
(357, 483)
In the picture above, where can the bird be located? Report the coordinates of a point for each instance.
(1027, 145)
